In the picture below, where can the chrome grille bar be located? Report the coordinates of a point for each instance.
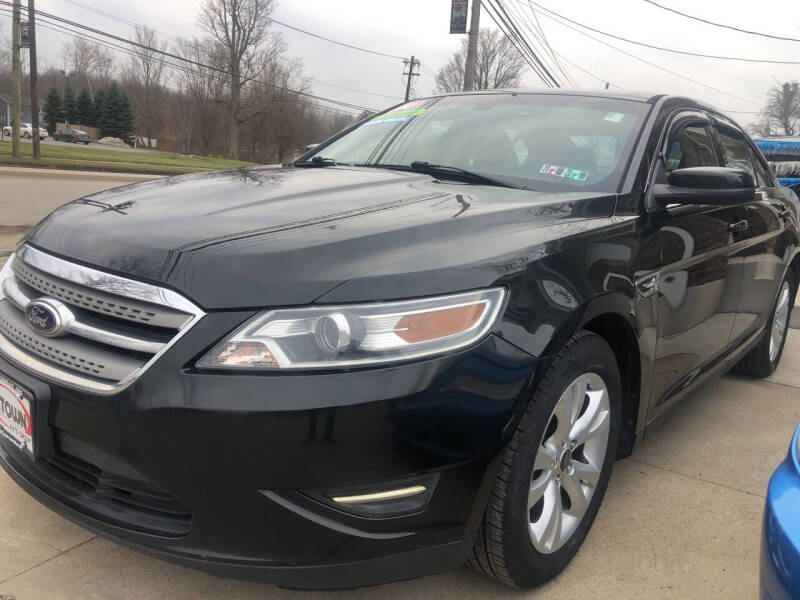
(20, 299)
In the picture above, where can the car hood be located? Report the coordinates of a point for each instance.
(272, 236)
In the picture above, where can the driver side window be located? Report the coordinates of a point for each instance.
(692, 147)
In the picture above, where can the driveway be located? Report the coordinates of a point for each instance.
(681, 518)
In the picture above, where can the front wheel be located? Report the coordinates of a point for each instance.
(556, 468)
(26, 135)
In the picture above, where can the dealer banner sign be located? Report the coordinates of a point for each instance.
(458, 16)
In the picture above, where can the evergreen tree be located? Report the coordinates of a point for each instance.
(52, 110)
(126, 120)
(85, 108)
(99, 105)
(70, 106)
(117, 118)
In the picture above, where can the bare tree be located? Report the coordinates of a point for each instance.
(201, 91)
(90, 63)
(5, 59)
(145, 83)
(241, 28)
(498, 64)
(781, 113)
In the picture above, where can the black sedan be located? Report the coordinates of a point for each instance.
(422, 343)
(73, 136)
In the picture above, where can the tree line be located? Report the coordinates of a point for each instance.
(109, 110)
(237, 93)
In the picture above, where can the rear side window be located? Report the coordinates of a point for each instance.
(735, 150)
(762, 177)
(692, 147)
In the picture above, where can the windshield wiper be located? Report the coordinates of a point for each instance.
(459, 173)
(319, 161)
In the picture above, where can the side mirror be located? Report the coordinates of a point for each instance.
(706, 185)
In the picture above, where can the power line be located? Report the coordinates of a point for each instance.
(57, 28)
(533, 26)
(715, 24)
(190, 61)
(672, 50)
(118, 18)
(521, 45)
(176, 38)
(510, 23)
(282, 24)
(647, 62)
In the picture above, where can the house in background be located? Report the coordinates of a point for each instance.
(25, 111)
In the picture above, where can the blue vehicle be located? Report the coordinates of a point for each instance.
(783, 154)
(780, 544)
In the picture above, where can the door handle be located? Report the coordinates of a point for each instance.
(738, 226)
(648, 286)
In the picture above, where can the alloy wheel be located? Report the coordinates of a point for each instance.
(779, 322)
(568, 462)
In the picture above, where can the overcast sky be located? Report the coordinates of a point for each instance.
(420, 27)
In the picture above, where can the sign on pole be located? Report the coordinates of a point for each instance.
(458, 16)
(24, 34)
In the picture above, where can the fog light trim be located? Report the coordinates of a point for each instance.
(381, 496)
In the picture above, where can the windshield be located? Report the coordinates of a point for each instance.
(542, 142)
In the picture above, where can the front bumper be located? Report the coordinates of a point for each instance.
(780, 543)
(238, 451)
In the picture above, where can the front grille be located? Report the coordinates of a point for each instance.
(125, 500)
(113, 328)
(38, 345)
(72, 294)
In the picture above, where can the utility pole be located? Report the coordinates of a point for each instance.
(410, 63)
(472, 46)
(34, 80)
(16, 81)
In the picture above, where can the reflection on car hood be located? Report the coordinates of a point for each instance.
(268, 236)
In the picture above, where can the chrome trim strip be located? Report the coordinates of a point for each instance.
(75, 326)
(47, 371)
(105, 282)
(15, 295)
(112, 284)
(405, 492)
(114, 339)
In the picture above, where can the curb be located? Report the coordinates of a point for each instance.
(51, 172)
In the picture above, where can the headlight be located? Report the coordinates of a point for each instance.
(361, 334)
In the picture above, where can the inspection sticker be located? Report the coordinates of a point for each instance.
(564, 172)
(614, 117)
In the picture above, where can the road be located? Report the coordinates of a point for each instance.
(681, 518)
(29, 195)
(51, 142)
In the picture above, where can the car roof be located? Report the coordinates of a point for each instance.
(637, 96)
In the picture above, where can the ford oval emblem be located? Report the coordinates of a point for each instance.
(43, 318)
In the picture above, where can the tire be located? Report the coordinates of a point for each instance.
(762, 360)
(513, 545)
(26, 135)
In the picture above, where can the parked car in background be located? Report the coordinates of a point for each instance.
(75, 136)
(26, 131)
(423, 342)
(780, 540)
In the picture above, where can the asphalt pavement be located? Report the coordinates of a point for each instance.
(681, 518)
